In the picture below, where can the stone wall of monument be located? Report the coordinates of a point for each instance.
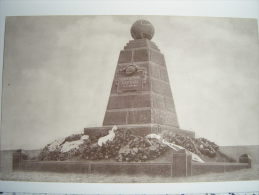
(144, 96)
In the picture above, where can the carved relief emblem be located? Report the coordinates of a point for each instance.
(131, 69)
(131, 78)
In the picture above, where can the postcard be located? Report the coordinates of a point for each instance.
(130, 99)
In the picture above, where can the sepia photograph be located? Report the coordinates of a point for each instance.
(226, 193)
(130, 99)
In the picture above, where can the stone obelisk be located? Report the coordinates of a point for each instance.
(141, 99)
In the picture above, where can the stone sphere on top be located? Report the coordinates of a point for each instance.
(142, 29)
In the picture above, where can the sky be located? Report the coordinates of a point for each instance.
(58, 72)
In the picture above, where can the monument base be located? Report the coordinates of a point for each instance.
(180, 165)
(139, 130)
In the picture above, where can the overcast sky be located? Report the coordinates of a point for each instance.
(58, 72)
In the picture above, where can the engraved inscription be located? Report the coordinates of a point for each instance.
(130, 78)
(129, 84)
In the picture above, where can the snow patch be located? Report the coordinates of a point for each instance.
(68, 146)
(196, 158)
(109, 137)
(55, 145)
(85, 137)
(175, 147)
(153, 136)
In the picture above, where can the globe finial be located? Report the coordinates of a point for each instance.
(142, 29)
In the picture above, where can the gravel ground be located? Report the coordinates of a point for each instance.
(241, 175)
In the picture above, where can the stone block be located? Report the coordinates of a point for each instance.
(164, 117)
(141, 55)
(153, 46)
(161, 87)
(164, 75)
(130, 101)
(139, 117)
(155, 71)
(96, 132)
(125, 57)
(189, 165)
(146, 87)
(136, 44)
(176, 130)
(141, 43)
(181, 164)
(114, 87)
(169, 103)
(115, 118)
(245, 158)
(157, 58)
(157, 101)
(140, 130)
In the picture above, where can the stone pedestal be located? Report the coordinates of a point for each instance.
(140, 98)
(245, 158)
(182, 164)
(6, 161)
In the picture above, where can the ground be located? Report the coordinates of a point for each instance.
(241, 175)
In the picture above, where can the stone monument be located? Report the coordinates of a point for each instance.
(141, 102)
(141, 99)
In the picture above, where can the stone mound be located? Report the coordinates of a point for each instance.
(121, 145)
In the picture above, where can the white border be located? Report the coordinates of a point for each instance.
(214, 8)
(169, 188)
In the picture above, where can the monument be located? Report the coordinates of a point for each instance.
(133, 139)
(141, 99)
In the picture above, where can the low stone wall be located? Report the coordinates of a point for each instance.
(180, 166)
(203, 168)
(54, 166)
(165, 169)
(236, 151)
